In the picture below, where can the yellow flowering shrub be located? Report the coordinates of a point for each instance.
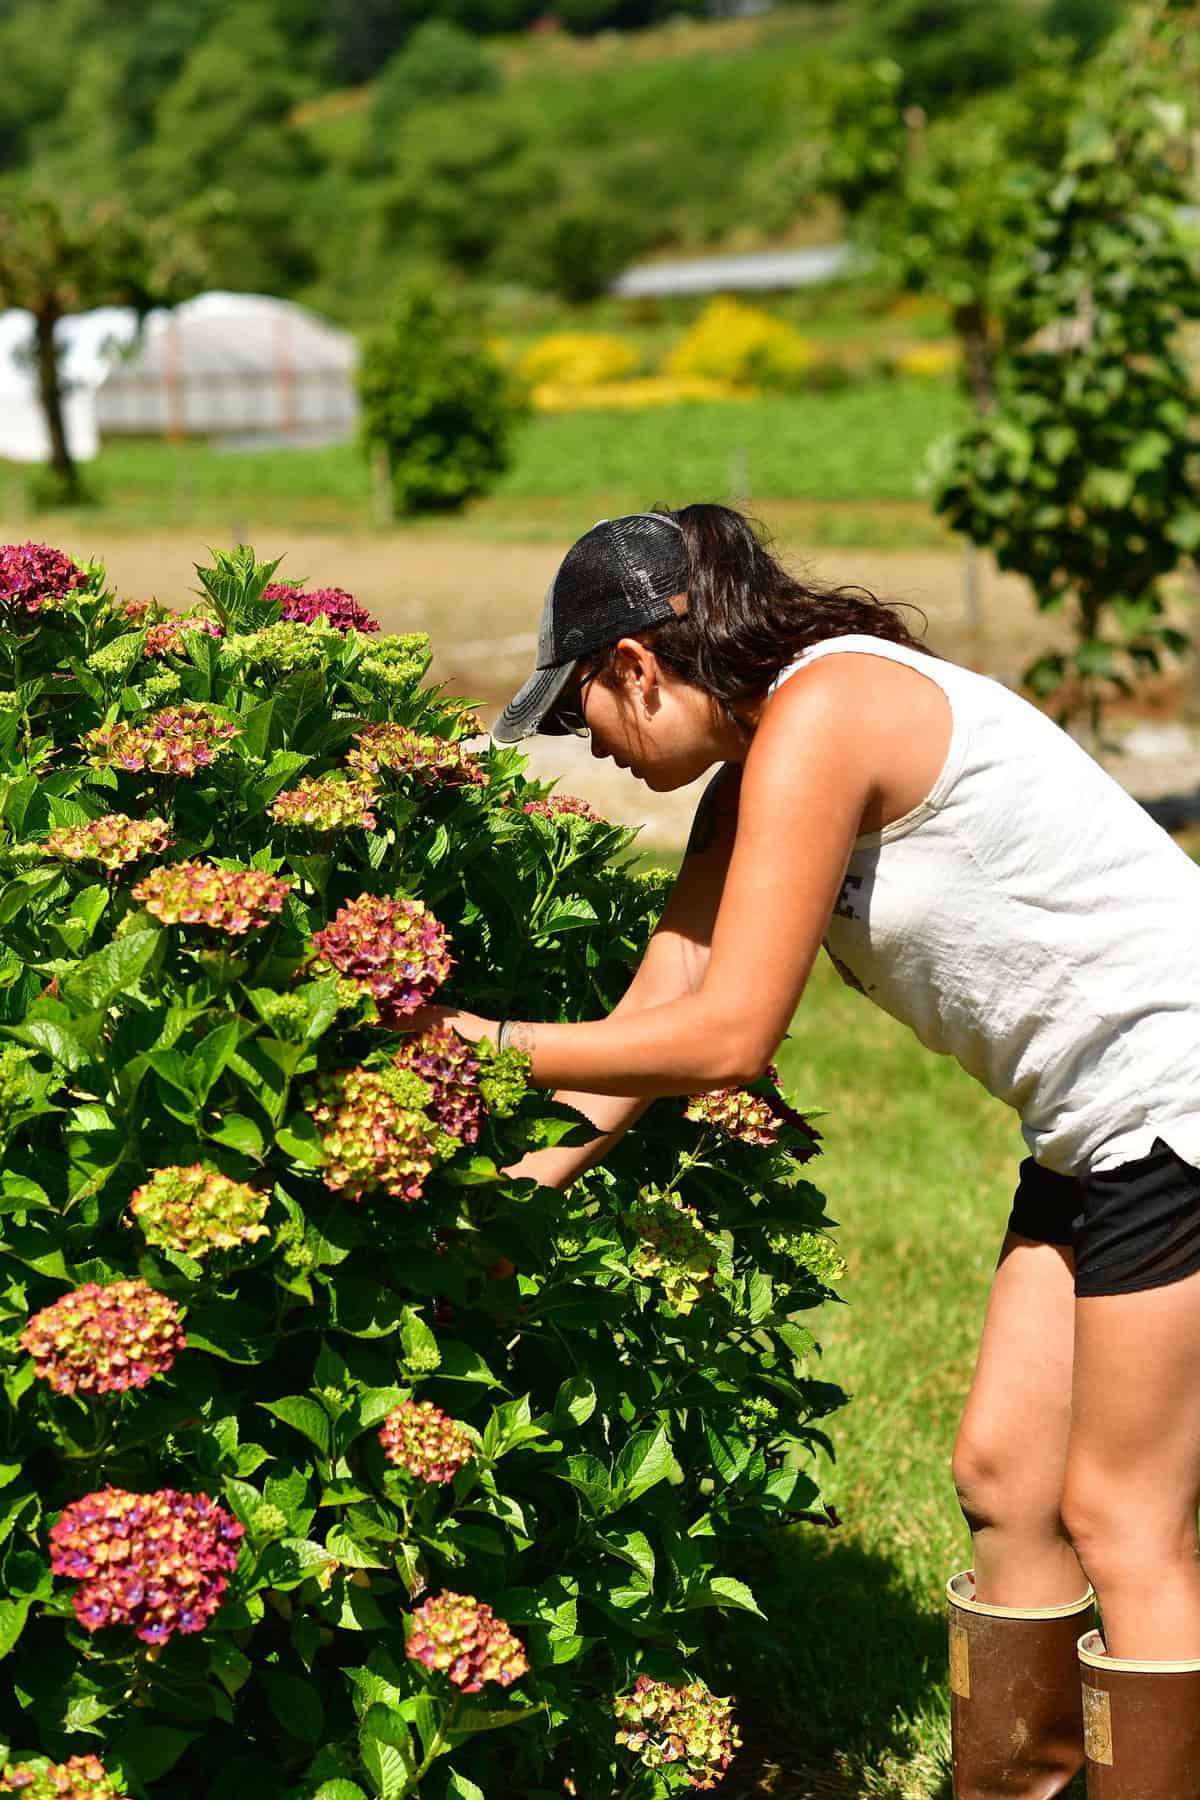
(929, 360)
(577, 359)
(634, 396)
(733, 342)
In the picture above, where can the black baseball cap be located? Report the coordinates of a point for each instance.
(616, 580)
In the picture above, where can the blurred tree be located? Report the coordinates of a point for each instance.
(440, 61)
(1085, 476)
(55, 261)
(948, 49)
(366, 34)
(1086, 22)
(575, 249)
(227, 159)
(437, 404)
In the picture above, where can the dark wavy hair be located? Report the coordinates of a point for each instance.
(747, 617)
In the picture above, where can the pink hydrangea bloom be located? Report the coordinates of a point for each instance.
(755, 1118)
(166, 639)
(374, 1132)
(192, 1210)
(402, 751)
(176, 740)
(113, 841)
(103, 1340)
(463, 1639)
(79, 1778)
(451, 1069)
(159, 1562)
(36, 578)
(340, 608)
(326, 804)
(562, 806)
(426, 1442)
(685, 1726)
(197, 893)
(135, 610)
(394, 950)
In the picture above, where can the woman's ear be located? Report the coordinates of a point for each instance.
(637, 667)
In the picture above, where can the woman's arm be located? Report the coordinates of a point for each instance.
(674, 964)
(813, 768)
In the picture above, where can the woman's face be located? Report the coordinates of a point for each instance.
(662, 729)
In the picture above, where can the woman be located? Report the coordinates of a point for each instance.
(970, 869)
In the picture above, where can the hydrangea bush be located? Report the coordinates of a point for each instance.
(341, 1463)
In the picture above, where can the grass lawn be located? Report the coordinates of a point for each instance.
(845, 1688)
(853, 456)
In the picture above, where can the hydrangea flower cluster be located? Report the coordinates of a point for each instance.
(135, 610)
(115, 659)
(113, 840)
(103, 1340)
(757, 1413)
(197, 893)
(395, 664)
(36, 578)
(340, 608)
(16, 1085)
(166, 638)
(463, 1638)
(176, 740)
(426, 1442)
(375, 1132)
(326, 803)
(284, 645)
(159, 1562)
(394, 950)
(685, 1726)
(162, 686)
(810, 1250)
(562, 806)
(406, 752)
(451, 1069)
(192, 1210)
(79, 1778)
(755, 1118)
(676, 1248)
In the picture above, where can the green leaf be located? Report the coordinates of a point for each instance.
(63, 1043)
(575, 1402)
(239, 1133)
(722, 1591)
(388, 1766)
(13, 1614)
(289, 1561)
(295, 1703)
(459, 1788)
(339, 1790)
(730, 1452)
(589, 1477)
(421, 1349)
(148, 1751)
(283, 767)
(114, 970)
(304, 1416)
(300, 1140)
(646, 1460)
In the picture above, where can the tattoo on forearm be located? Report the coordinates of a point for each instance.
(521, 1037)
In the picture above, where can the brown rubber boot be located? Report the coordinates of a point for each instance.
(1141, 1726)
(1016, 1712)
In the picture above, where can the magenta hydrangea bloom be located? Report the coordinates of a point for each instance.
(114, 840)
(176, 740)
(426, 1442)
(401, 751)
(197, 893)
(79, 1778)
(166, 638)
(159, 1562)
(374, 1132)
(192, 1210)
(755, 1118)
(325, 803)
(103, 1340)
(36, 578)
(688, 1727)
(135, 610)
(451, 1069)
(563, 806)
(341, 609)
(394, 950)
(463, 1639)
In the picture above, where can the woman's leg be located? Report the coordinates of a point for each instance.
(1011, 1453)
(1132, 1481)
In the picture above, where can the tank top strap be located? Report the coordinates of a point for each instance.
(864, 643)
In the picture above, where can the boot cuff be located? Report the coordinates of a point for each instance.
(1095, 1656)
(960, 1590)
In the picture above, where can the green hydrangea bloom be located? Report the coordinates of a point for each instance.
(503, 1080)
(811, 1250)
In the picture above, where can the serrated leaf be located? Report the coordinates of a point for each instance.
(289, 1561)
(339, 1790)
(239, 1133)
(646, 1460)
(387, 1765)
(13, 1614)
(302, 1415)
(114, 970)
(575, 1402)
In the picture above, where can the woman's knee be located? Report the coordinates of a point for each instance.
(995, 1490)
(1115, 1532)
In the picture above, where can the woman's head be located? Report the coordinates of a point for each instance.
(667, 699)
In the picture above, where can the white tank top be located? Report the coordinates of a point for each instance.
(1031, 920)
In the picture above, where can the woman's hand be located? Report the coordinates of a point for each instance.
(469, 1026)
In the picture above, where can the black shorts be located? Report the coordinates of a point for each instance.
(1133, 1227)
